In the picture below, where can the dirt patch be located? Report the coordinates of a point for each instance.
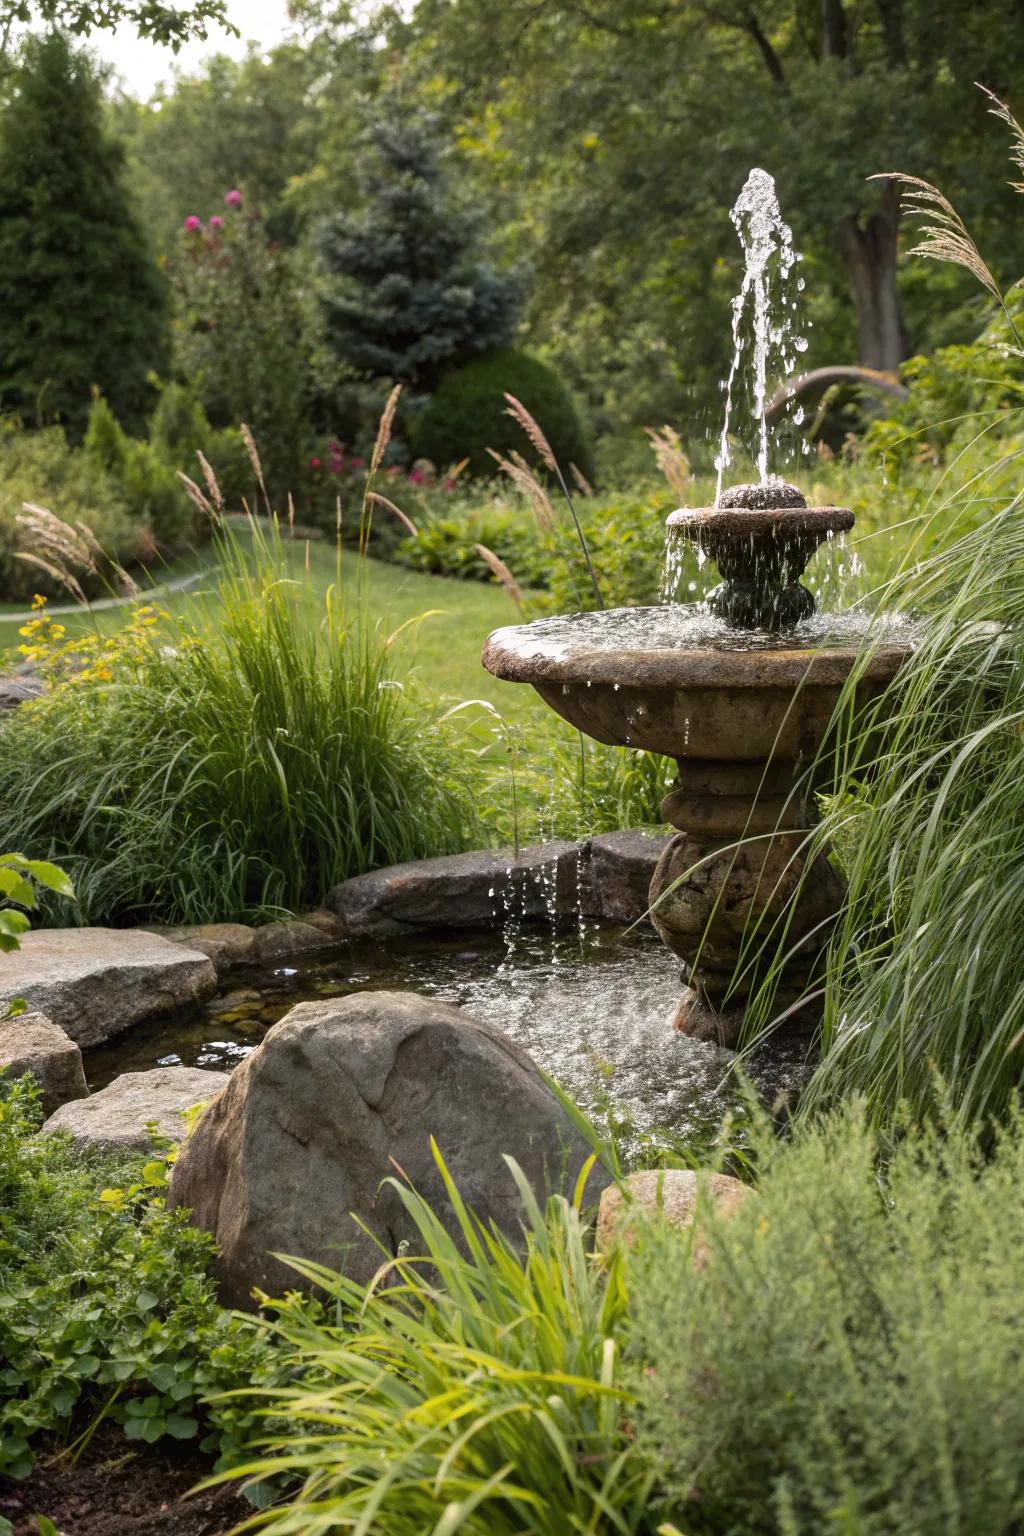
(118, 1489)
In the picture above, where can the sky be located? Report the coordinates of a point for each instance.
(142, 65)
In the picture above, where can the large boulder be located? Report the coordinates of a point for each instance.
(118, 1118)
(97, 982)
(291, 1156)
(33, 1045)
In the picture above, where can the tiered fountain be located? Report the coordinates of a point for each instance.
(739, 690)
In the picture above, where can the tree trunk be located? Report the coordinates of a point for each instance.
(870, 251)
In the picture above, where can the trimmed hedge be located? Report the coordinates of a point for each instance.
(467, 415)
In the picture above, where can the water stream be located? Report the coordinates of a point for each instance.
(767, 292)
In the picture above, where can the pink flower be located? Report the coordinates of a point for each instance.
(233, 199)
(216, 222)
(314, 463)
(358, 463)
(192, 224)
(417, 477)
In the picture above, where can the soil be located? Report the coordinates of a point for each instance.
(118, 1489)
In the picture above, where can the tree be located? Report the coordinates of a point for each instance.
(407, 293)
(631, 125)
(151, 18)
(82, 300)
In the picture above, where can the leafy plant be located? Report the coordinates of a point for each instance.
(19, 878)
(108, 1309)
(472, 1388)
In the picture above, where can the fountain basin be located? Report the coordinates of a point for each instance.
(674, 680)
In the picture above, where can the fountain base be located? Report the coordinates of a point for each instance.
(737, 884)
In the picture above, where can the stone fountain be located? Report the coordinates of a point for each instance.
(740, 690)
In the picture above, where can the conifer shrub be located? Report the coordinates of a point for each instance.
(83, 301)
(468, 414)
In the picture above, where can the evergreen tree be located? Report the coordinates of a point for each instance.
(408, 293)
(82, 302)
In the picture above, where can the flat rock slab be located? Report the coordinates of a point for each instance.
(33, 1045)
(117, 1119)
(605, 877)
(293, 1157)
(226, 944)
(97, 982)
(617, 871)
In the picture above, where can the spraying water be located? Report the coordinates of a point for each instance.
(769, 261)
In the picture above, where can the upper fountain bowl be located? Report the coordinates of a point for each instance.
(761, 537)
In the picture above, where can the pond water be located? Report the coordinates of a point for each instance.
(594, 1010)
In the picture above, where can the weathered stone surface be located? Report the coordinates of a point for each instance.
(278, 941)
(338, 1093)
(34, 1044)
(97, 982)
(619, 867)
(329, 923)
(117, 1117)
(18, 690)
(671, 1194)
(226, 944)
(461, 890)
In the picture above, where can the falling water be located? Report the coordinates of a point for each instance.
(769, 259)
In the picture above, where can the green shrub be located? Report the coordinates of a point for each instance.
(179, 430)
(193, 775)
(846, 1354)
(467, 414)
(149, 486)
(108, 1308)
(40, 467)
(474, 1388)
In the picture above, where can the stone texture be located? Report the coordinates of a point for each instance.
(32, 1043)
(97, 982)
(337, 1094)
(672, 1194)
(18, 690)
(462, 890)
(279, 941)
(619, 867)
(226, 944)
(116, 1118)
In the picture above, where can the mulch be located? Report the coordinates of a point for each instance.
(121, 1489)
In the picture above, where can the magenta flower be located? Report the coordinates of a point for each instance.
(216, 222)
(233, 199)
(192, 224)
(314, 463)
(358, 463)
(417, 477)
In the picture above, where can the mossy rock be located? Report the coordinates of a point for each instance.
(468, 414)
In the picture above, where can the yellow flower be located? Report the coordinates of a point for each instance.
(39, 601)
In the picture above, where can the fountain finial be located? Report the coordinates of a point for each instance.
(761, 537)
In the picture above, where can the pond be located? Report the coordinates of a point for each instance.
(592, 1007)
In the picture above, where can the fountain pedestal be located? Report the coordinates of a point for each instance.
(735, 879)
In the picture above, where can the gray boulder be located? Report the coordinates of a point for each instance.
(337, 1094)
(32, 1044)
(117, 1118)
(460, 890)
(97, 982)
